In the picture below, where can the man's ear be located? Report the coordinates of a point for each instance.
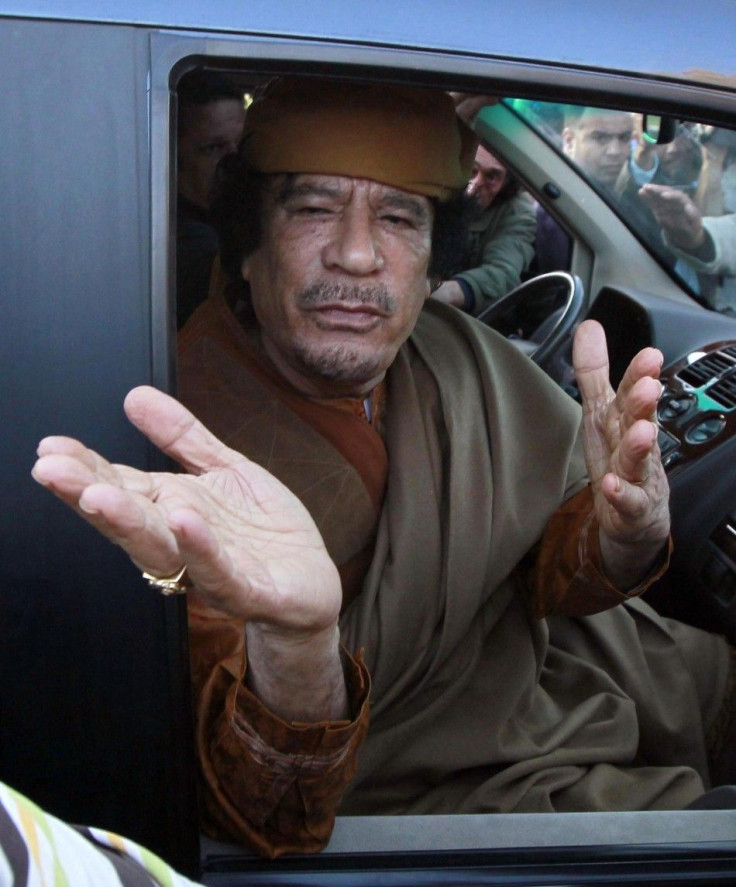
(568, 137)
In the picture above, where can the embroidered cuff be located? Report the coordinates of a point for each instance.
(569, 575)
(279, 783)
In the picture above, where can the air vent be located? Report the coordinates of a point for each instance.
(730, 350)
(724, 392)
(706, 369)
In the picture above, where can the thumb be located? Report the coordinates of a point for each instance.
(177, 432)
(590, 360)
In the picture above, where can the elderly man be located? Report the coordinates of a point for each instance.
(397, 557)
(501, 230)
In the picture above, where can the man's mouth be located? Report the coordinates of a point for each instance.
(355, 309)
(341, 316)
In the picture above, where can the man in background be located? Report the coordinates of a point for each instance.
(210, 122)
(599, 142)
(500, 238)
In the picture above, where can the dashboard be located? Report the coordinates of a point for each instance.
(697, 438)
(697, 410)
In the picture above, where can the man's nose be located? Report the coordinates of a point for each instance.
(473, 185)
(354, 246)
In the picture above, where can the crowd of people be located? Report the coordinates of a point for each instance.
(679, 195)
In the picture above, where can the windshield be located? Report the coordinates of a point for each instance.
(678, 195)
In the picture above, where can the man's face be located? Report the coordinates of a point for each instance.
(679, 158)
(207, 133)
(487, 179)
(339, 278)
(600, 145)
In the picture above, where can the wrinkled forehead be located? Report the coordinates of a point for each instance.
(406, 137)
(285, 187)
(484, 160)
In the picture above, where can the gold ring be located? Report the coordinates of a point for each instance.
(639, 483)
(176, 583)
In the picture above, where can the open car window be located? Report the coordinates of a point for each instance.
(97, 722)
(616, 152)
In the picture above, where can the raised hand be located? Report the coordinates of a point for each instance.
(677, 215)
(251, 548)
(630, 488)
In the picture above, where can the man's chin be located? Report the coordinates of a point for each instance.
(477, 206)
(342, 365)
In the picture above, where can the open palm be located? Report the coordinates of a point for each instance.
(251, 548)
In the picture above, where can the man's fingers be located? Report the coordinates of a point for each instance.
(467, 105)
(639, 402)
(673, 210)
(175, 431)
(208, 563)
(634, 454)
(66, 475)
(134, 523)
(640, 388)
(66, 467)
(113, 499)
(72, 449)
(631, 501)
(590, 359)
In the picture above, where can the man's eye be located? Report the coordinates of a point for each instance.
(397, 221)
(311, 210)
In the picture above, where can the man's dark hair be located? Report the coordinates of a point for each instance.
(201, 87)
(509, 189)
(236, 213)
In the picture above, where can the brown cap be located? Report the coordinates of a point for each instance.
(407, 137)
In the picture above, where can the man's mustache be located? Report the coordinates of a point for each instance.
(376, 296)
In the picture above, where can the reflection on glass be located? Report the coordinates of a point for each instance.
(679, 197)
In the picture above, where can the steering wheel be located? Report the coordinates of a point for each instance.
(546, 290)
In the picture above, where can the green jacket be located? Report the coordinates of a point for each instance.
(501, 246)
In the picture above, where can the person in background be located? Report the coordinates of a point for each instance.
(500, 238)
(706, 243)
(677, 163)
(210, 117)
(716, 194)
(598, 141)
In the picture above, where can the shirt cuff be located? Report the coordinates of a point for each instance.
(569, 572)
(279, 783)
(468, 305)
(640, 175)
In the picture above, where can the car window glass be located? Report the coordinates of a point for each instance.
(611, 150)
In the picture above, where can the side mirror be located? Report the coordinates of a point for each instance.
(659, 130)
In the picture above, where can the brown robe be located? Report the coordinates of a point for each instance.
(475, 705)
